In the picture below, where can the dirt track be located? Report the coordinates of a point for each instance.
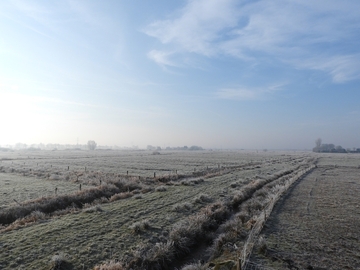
(316, 226)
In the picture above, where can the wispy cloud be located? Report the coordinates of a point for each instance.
(162, 58)
(281, 30)
(199, 25)
(248, 93)
(341, 68)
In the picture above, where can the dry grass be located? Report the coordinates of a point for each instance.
(162, 244)
(160, 188)
(197, 227)
(203, 198)
(92, 209)
(327, 195)
(112, 265)
(58, 262)
(193, 266)
(140, 226)
(118, 189)
(120, 196)
(182, 207)
(51, 204)
(138, 196)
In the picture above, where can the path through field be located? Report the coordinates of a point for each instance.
(316, 226)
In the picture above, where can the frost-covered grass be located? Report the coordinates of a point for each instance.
(103, 231)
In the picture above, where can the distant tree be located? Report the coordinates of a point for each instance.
(91, 145)
(317, 147)
(318, 142)
(339, 149)
(151, 148)
(195, 147)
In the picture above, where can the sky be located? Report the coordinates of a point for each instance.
(215, 73)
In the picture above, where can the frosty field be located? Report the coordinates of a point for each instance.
(316, 225)
(138, 210)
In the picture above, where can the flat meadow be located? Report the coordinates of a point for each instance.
(315, 226)
(139, 210)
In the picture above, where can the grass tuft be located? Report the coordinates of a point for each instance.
(112, 265)
(193, 266)
(93, 209)
(202, 198)
(262, 247)
(160, 188)
(58, 262)
(120, 196)
(182, 207)
(140, 226)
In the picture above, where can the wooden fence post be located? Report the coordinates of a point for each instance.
(238, 266)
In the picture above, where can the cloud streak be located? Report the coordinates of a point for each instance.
(198, 26)
(292, 32)
(248, 93)
(161, 57)
(342, 68)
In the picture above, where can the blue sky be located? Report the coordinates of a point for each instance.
(215, 73)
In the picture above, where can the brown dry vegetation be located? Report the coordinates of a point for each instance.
(203, 209)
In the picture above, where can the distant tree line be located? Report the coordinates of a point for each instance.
(331, 148)
(191, 148)
(91, 145)
(158, 148)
